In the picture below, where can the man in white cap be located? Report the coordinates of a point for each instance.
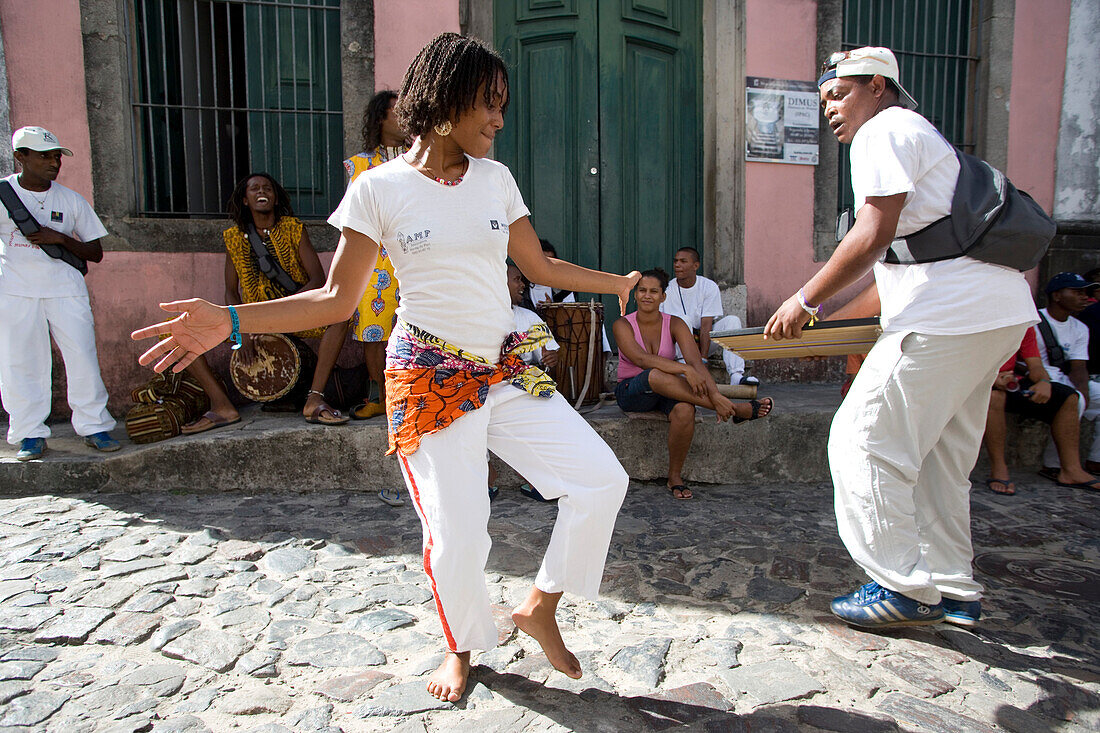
(44, 294)
(906, 437)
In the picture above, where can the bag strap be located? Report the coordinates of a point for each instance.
(1056, 355)
(28, 225)
(269, 266)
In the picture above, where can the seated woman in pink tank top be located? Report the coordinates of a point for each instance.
(650, 378)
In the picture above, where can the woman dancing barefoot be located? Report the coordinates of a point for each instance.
(449, 220)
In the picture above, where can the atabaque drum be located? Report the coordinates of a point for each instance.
(578, 329)
(281, 367)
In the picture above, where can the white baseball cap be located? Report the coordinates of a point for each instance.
(37, 138)
(867, 61)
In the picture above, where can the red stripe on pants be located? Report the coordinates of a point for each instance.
(428, 554)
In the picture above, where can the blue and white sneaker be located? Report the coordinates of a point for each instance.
(31, 449)
(102, 441)
(961, 613)
(875, 607)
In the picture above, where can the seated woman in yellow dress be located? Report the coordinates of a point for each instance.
(383, 140)
(259, 201)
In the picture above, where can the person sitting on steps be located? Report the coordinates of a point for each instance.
(261, 204)
(650, 378)
(1032, 394)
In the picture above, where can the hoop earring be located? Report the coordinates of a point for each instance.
(443, 129)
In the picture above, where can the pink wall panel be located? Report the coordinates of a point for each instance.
(401, 29)
(49, 90)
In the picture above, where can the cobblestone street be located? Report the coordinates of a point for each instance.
(309, 612)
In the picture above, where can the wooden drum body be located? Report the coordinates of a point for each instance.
(577, 327)
(282, 367)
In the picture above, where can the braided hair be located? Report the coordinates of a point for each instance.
(239, 211)
(374, 115)
(443, 80)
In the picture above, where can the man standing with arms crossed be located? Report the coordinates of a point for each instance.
(907, 435)
(41, 296)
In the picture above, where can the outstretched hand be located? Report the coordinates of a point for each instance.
(624, 294)
(200, 327)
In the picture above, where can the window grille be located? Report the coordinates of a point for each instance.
(220, 88)
(936, 44)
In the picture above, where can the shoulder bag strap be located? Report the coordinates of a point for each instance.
(1056, 356)
(269, 266)
(29, 225)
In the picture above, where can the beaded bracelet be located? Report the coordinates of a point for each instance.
(235, 337)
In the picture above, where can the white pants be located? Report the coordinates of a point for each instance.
(735, 365)
(26, 325)
(549, 444)
(901, 449)
(1050, 454)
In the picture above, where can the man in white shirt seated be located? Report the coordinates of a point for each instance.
(1067, 294)
(524, 319)
(698, 302)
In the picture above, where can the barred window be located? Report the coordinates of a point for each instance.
(223, 87)
(936, 44)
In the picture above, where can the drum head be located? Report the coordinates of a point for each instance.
(272, 372)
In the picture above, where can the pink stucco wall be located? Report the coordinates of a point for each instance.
(401, 29)
(1039, 44)
(781, 39)
(1035, 103)
(49, 91)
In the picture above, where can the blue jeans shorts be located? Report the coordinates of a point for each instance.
(635, 395)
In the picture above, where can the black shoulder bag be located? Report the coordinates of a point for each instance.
(269, 266)
(990, 220)
(1056, 355)
(28, 225)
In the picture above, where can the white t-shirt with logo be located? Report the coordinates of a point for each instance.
(692, 305)
(27, 271)
(1072, 336)
(898, 151)
(448, 245)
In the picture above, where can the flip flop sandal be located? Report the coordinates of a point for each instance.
(756, 405)
(532, 493)
(1049, 472)
(681, 489)
(213, 419)
(316, 418)
(1093, 485)
(1008, 489)
(391, 497)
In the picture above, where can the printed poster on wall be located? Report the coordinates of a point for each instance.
(782, 118)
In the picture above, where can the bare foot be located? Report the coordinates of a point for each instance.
(1075, 476)
(536, 617)
(448, 682)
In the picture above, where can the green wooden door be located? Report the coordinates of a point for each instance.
(295, 122)
(604, 131)
(550, 139)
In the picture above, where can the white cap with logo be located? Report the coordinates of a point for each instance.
(37, 138)
(868, 61)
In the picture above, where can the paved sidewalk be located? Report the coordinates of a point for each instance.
(171, 611)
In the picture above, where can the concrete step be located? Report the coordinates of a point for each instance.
(271, 452)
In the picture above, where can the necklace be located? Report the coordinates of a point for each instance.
(41, 202)
(437, 179)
